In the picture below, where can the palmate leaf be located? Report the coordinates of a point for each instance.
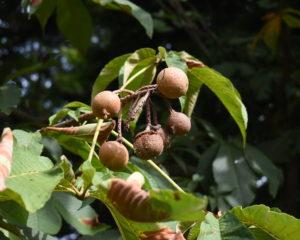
(32, 177)
(275, 224)
(227, 227)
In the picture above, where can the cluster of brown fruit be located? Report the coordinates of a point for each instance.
(172, 83)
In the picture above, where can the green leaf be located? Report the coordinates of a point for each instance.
(9, 97)
(142, 74)
(278, 225)
(194, 231)
(88, 173)
(134, 59)
(228, 227)
(128, 7)
(32, 177)
(174, 60)
(234, 178)
(46, 219)
(175, 205)
(263, 166)
(109, 234)
(227, 94)
(74, 21)
(291, 21)
(260, 235)
(85, 220)
(58, 116)
(108, 74)
(45, 10)
(192, 94)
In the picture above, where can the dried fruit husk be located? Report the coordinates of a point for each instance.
(106, 105)
(172, 82)
(166, 137)
(113, 155)
(132, 202)
(178, 123)
(161, 234)
(148, 144)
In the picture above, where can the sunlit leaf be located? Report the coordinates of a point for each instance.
(108, 74)
(227, 94)
(278, 225)
(32, 177)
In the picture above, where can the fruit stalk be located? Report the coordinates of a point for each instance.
(99, 123)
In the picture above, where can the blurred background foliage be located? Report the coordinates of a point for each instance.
(53, 57)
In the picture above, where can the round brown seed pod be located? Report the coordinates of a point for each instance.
(178, 123)
(132, 202)
(172, 82)
(148, 144)
(113, 155)
(106, 105)
(166, 137)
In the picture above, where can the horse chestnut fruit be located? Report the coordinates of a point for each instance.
(148, 144)
(178, 123)
(106, 105)
(113, 155)
(172, 82)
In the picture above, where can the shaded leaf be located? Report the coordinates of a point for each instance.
(279, 225)
(9, 97)
(109, 234)
(233, 176)
(129, 7)
(45, 10)
(75, 23)
(46, 219)
(263, 166)
(81, 219)
(291, 21)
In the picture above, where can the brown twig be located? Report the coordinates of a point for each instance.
(148, 114)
